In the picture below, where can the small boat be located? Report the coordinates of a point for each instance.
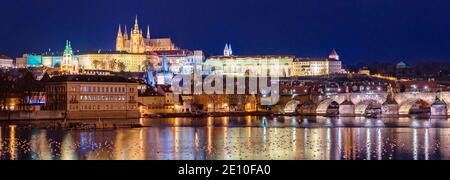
(156, 116)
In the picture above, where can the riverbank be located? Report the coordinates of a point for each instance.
(75, 124)
(99, 120)
(215, 114)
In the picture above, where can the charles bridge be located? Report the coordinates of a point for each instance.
(358, 104)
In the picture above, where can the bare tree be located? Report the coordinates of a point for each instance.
(95, 63)
(113, 64)
(122, 67)
(104, 65)
(148, 65)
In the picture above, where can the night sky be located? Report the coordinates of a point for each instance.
(360, 30)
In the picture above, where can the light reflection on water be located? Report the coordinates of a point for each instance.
(238, 138)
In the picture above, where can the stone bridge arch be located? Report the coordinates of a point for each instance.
(405, 108)
(323, 106)
(291, 106)
(408, 99)
(361, 107)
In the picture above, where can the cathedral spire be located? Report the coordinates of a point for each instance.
(136, 24)
(148, 31)
(227, 51)
(126, 33)
(119, 33)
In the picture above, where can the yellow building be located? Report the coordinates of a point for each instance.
(179, 61)
(318, 66)
(112, 60)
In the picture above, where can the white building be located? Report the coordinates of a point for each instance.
(318, 66)
(6, 62)
(251, 66)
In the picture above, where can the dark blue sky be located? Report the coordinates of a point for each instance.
(361, 30)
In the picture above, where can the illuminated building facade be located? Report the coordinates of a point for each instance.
(112, 60)
(261, 66)
(34, 60)
(275, 65)
(89, 94)
(136, 43)
(6, 62)
(178, 61)
(317, 66)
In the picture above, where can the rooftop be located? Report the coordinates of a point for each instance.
(252, 57)
(313, 59)
(181, 52)
(4, 57)
(90, 78)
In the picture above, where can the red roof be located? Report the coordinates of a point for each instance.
(313, 59)
(4, 57)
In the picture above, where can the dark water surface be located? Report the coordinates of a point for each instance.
(235, 138)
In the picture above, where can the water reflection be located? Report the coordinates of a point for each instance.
(238, 138)
(12, 142)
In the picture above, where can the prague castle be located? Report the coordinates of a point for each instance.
(136, 53)
(137, 43)
(132, 54)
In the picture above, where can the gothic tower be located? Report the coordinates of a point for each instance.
(120, 40)
(137, 39)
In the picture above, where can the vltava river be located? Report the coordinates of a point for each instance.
(236, 138)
